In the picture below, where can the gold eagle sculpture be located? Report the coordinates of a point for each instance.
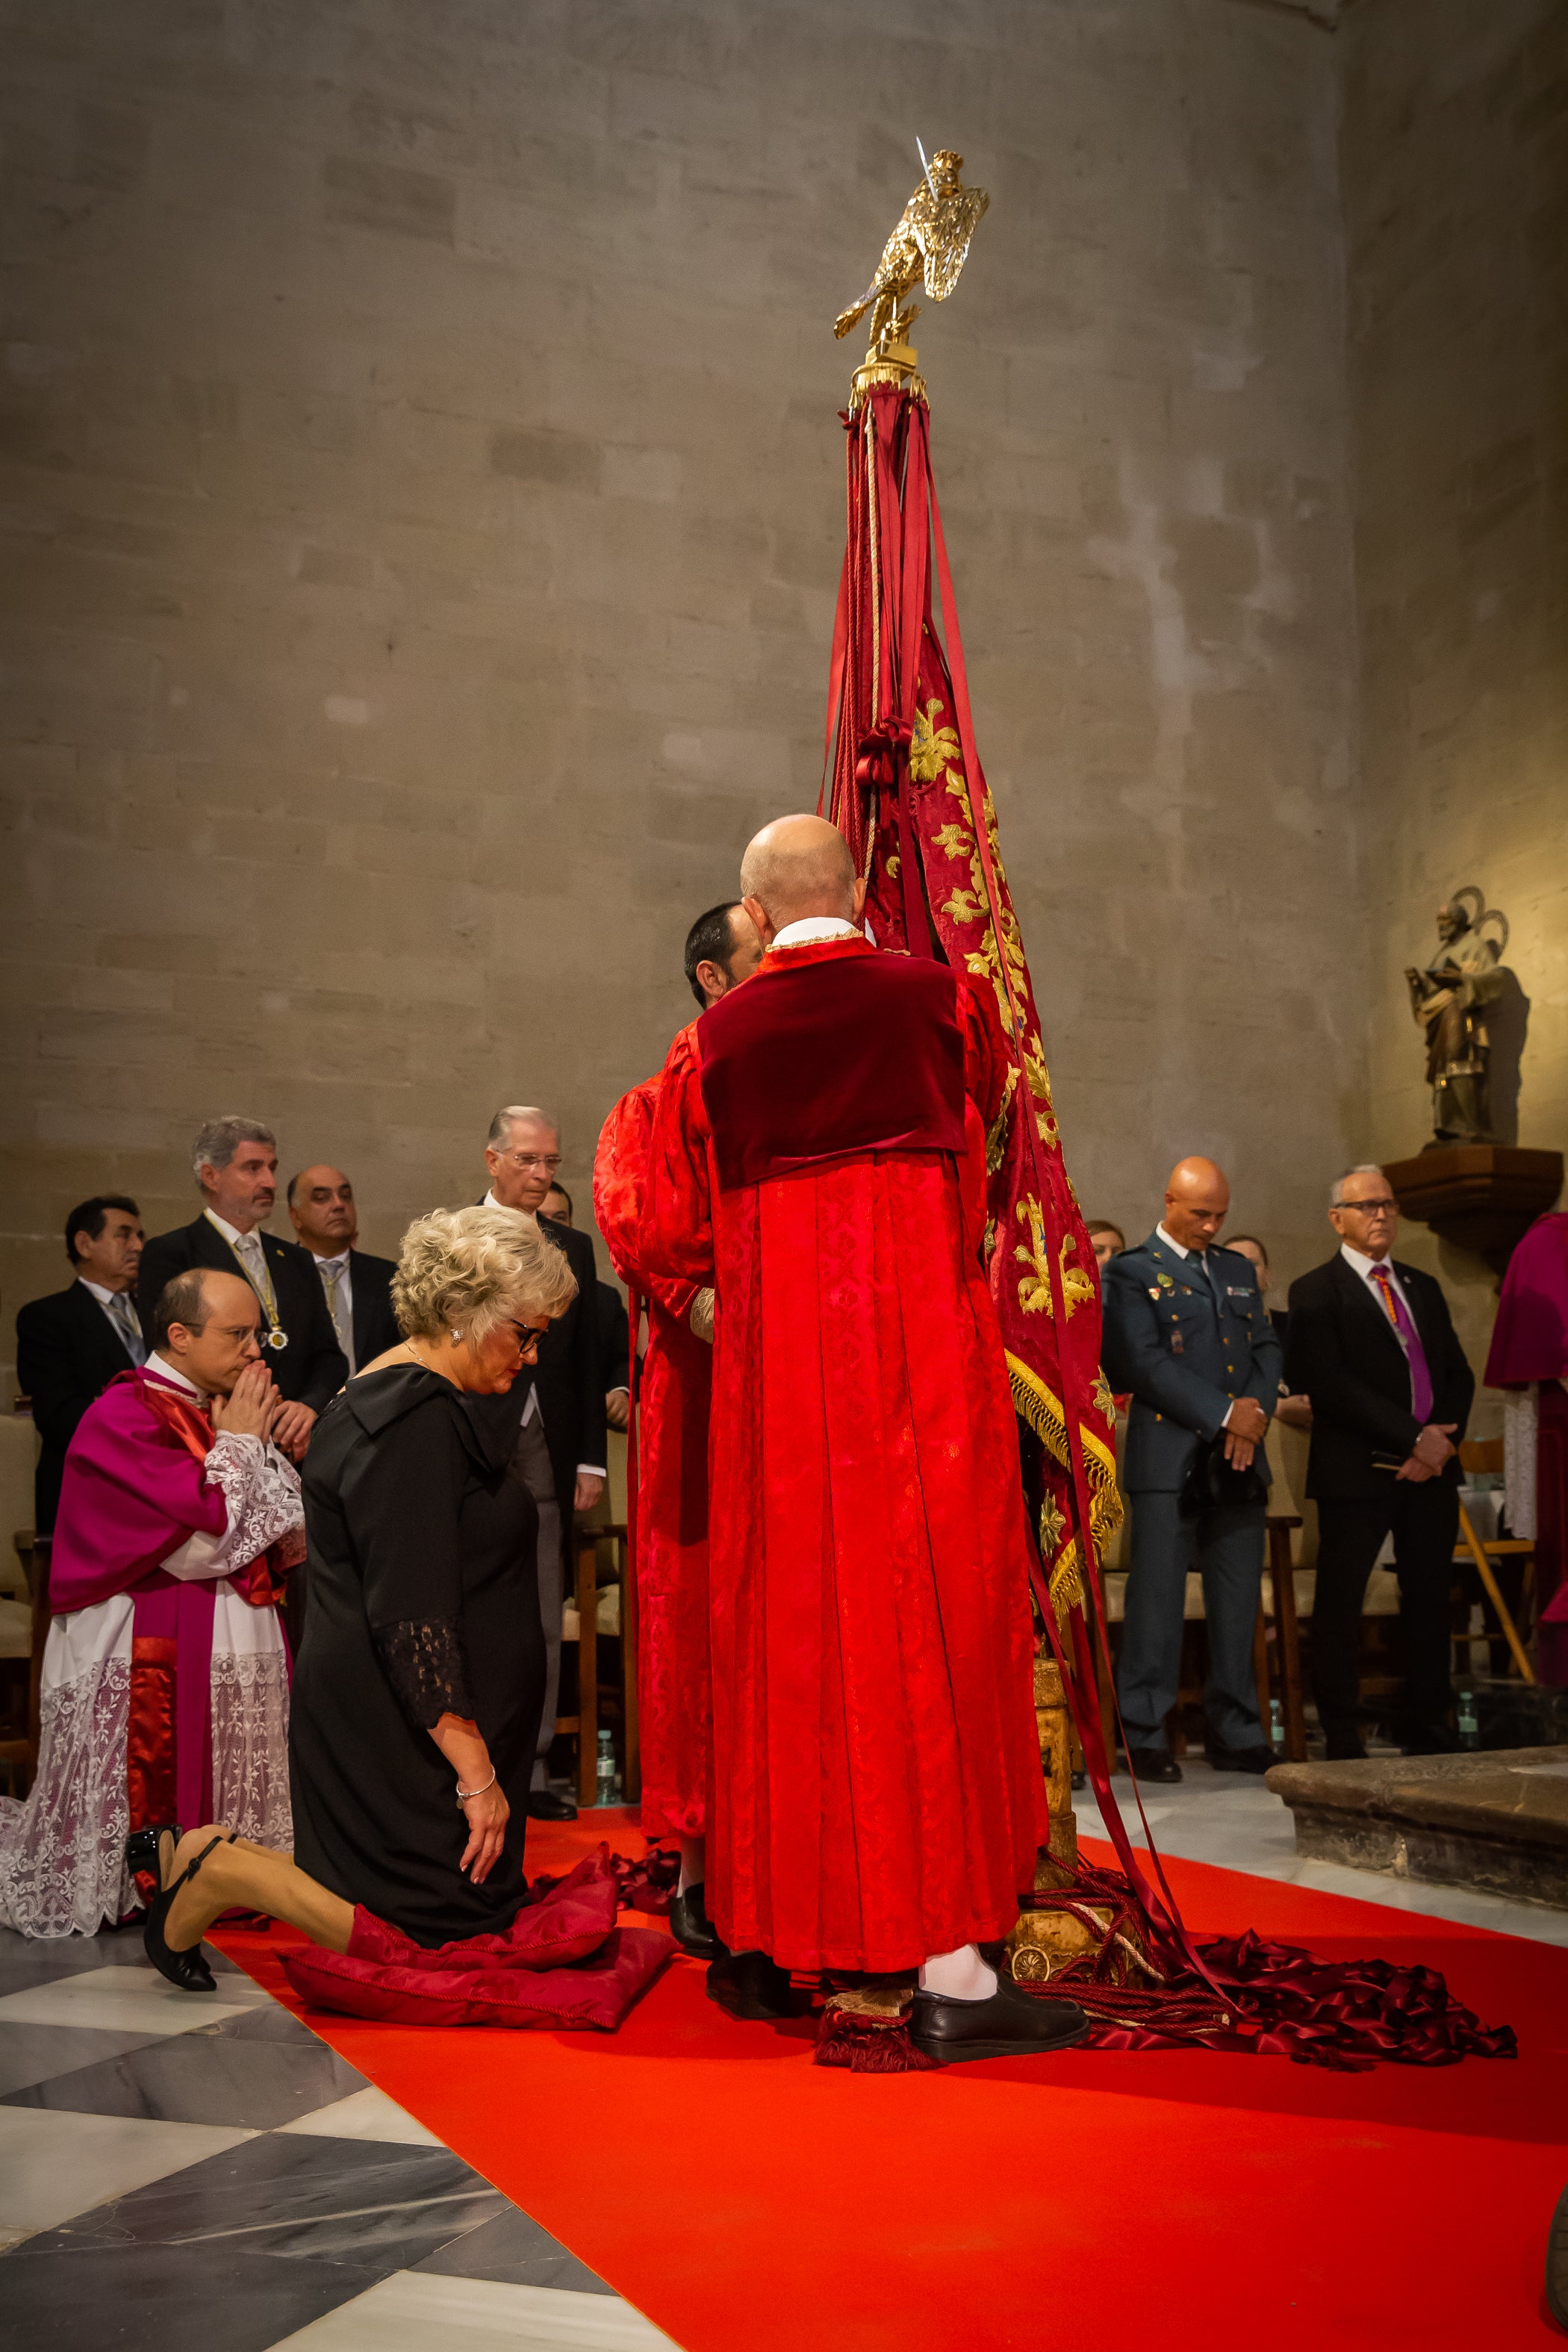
(930, 242)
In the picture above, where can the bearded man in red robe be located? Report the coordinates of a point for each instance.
(818, 1155)
(670, 1542)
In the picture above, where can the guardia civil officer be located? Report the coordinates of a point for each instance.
(1185, 1331)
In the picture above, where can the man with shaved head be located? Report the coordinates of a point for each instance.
(818, 1158)
(1186, 1333)
(358, 1286)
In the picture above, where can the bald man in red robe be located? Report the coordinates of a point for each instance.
(817, 1155)
(671, 1560)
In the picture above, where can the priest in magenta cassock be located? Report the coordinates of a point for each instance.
(165, 1692)
(1529, 1357)
(817, 1155)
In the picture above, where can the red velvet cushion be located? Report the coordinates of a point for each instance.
(568, 1923)
(597, 1991)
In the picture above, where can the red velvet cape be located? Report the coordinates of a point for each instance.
(878, 1795)
(671, 1543)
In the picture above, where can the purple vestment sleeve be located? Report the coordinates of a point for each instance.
(1530, 1337)
(131, 1494)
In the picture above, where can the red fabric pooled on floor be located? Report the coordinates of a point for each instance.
(739, 2194)
(562, 1962)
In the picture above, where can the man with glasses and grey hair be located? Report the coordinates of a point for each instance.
(555, 1408)
(1373, 1346)
(234, 1161)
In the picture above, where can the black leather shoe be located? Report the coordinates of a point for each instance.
(1011, 2024)
(1156, 1764)
(544, 1805)
(1557, 2262)
(1243, 1759)
(692, 1928)
(749, 1984)
(1340, 1752)
(1430, 1740)
(187, 1967)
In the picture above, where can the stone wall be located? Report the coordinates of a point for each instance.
(1456, 185)
(421, 508)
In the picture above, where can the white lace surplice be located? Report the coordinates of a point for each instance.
(62, 1853)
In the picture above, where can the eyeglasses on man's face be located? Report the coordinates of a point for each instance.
(1386, 1207)
(550, 1160)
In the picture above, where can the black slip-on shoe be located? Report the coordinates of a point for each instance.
(1557, 2264)
(749, 1985)
(544, 1805)
(692, 1928)
(1011, 2024)
(1155, 1764)
(1243, 1759)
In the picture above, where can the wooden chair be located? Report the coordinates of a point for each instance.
(1479, 1455)
(587, 1620)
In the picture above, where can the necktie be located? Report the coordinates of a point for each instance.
(333, 1276)
(1410, 1340)
(1200, 1260)
(122, 1315)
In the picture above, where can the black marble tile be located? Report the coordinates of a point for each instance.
(25, 1961)
(205, 2076)
(516, 2249)
(299, 2196)
(31, 2054)
(268, 2021)
(151, 2298)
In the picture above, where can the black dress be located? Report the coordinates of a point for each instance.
(422, 1600)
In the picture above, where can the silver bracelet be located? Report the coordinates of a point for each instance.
(464, 1794)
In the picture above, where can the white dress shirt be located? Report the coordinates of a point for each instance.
(1359, 1262)
(345, 1292)
(813, 929)
(532, 1408)
(104, 1296)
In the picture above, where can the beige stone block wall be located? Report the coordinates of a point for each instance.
(420, 486)
(1456, 178)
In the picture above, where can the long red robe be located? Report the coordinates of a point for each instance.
(878, 1788)
(674, 1700)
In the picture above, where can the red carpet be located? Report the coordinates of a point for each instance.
(749, 2202)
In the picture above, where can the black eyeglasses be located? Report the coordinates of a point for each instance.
(529, 1336)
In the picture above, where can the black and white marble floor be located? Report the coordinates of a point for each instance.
(204, 2175)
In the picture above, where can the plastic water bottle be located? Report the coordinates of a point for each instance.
(1469, 1728)
(604, 1792)
(1276, 1727)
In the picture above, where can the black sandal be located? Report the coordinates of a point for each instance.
(189, 1968)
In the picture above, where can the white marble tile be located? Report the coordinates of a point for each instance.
(365, 2115)
(413, 2310)
(55, 2165)
(130, 2001)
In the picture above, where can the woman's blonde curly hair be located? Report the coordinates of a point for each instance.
(466, 1270)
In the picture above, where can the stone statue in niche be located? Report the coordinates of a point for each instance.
(1449, 1000)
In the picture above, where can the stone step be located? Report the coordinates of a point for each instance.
(1497, 1821)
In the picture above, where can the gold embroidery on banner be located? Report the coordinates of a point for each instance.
(997, 1134)
(1034, 1289)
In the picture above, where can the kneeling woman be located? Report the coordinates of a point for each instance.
(421, 1677)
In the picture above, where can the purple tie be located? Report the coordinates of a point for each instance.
(1415, 1354)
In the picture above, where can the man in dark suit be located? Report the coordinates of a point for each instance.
(557, 1405)
(1185, 1332)
(614, 1324)
(236, 1164)
(70, 1345)
(358, 1287)
(1373, 1346)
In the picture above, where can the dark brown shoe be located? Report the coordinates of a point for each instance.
(749, 1985)
(1011, 2024)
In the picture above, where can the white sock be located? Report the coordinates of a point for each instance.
(693, 1864)
(958, 1976)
